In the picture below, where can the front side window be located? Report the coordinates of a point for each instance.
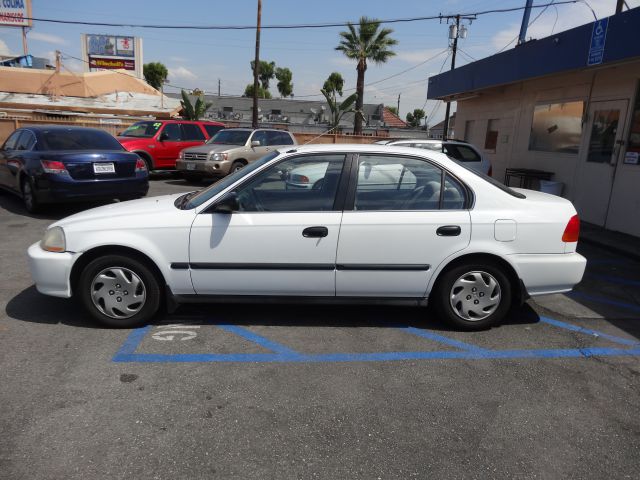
(397, 183)
(230, 137)
(192, 132)
(172, 133)
(300, 184)
(142, 130)
(260, 136)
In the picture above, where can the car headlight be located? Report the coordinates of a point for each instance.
(53, 240)
(181, 156)
(218, 157)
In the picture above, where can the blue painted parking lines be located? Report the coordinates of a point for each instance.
(465, 351)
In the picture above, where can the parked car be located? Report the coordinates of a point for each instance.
(458, 150)
(49, 164)
(473, 253)
(229, 151)
(159, 142)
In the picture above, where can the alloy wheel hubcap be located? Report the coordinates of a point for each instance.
(118, 292)
(475, 295)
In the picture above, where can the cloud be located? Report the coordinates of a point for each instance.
(46, 37)
(568, 16)
(178, 59)
(417, 56)
(4, 49)
(181, 73)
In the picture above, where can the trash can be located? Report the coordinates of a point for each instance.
(554, 188)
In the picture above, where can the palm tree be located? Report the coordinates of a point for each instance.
(368, 42)
(193, 111)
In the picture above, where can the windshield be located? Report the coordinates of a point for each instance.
(142, 130)
(202, 196)
(230, 137)
(78, 140)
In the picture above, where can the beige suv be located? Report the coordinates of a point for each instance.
(229, 150)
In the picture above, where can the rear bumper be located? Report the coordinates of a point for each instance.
(51, 271)
(546, 274)
(53, 190)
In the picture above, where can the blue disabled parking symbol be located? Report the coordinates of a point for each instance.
(598, 39)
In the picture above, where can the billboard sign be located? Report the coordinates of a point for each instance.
(15, 13)
(112, 52)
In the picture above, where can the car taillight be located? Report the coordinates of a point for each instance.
(140, 165)
(490, 172)
(572, 230)
(53, 166)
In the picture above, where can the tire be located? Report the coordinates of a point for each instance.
(193, 177)
(237, 165)
(108, 286)
(29, 199)
(473, 297)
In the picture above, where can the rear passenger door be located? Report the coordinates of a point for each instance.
(192, 135)
(398, 226)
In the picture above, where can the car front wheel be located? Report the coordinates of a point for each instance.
(473, 297)
(119, 291)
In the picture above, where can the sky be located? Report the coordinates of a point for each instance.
(199, 59)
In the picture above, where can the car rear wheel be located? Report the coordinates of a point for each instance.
(119, 291)
(237, 165)
(473, 297)
(29, 196)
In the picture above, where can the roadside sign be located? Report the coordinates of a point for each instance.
(598, 39)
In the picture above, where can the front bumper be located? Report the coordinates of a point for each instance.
(51, 271)
(546, 274)
(209, 168)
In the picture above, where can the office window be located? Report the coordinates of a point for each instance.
(557, 127)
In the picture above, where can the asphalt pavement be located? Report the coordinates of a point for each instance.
(298, 391)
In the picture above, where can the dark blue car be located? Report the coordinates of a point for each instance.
(50, 164)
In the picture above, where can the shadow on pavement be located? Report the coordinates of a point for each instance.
(54, 211)
(32, 306)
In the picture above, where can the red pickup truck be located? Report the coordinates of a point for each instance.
(159, 142)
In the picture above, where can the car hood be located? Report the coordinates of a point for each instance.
(117, 215)
(212, 148)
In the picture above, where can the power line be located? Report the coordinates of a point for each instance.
(284, 26)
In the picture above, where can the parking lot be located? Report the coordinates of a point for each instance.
(308, 391)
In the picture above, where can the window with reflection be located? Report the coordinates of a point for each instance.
(557, 127)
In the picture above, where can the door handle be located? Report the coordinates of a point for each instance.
(315, 232)
(448, 231)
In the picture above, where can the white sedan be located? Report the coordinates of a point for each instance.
(465, 243)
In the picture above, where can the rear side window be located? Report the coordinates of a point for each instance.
(213, 129)
(191, 131)
(79, 140)
(462, 153)
(172, 132)
(278, 138)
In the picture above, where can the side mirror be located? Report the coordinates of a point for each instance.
(163, 136)
(255, 143)
(228, 204)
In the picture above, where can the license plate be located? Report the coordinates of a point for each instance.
(191, 166)
(104, 168)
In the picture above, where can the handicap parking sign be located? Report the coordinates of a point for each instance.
(598, 39)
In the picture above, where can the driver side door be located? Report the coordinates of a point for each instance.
(280, 241)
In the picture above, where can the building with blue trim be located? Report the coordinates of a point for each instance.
(568, 105)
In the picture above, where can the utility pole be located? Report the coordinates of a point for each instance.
(256, 70)
(619, 6)
(58, 60)
(455, 32)
(399, 104)
(218, 88)
(525, 22)
(25, 49)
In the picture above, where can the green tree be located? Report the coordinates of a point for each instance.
(193, 111)
(155, 73)
(338, 110)
(262, 93)
(334, 85)
(414, 119)
(367, 42)
(267, 72)
(284, 77)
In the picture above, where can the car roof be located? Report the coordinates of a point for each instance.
(363, 148)
(245, 129)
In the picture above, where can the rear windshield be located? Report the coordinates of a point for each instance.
(78, 140)
(493, 182)
(142, 130)
(230, 137)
